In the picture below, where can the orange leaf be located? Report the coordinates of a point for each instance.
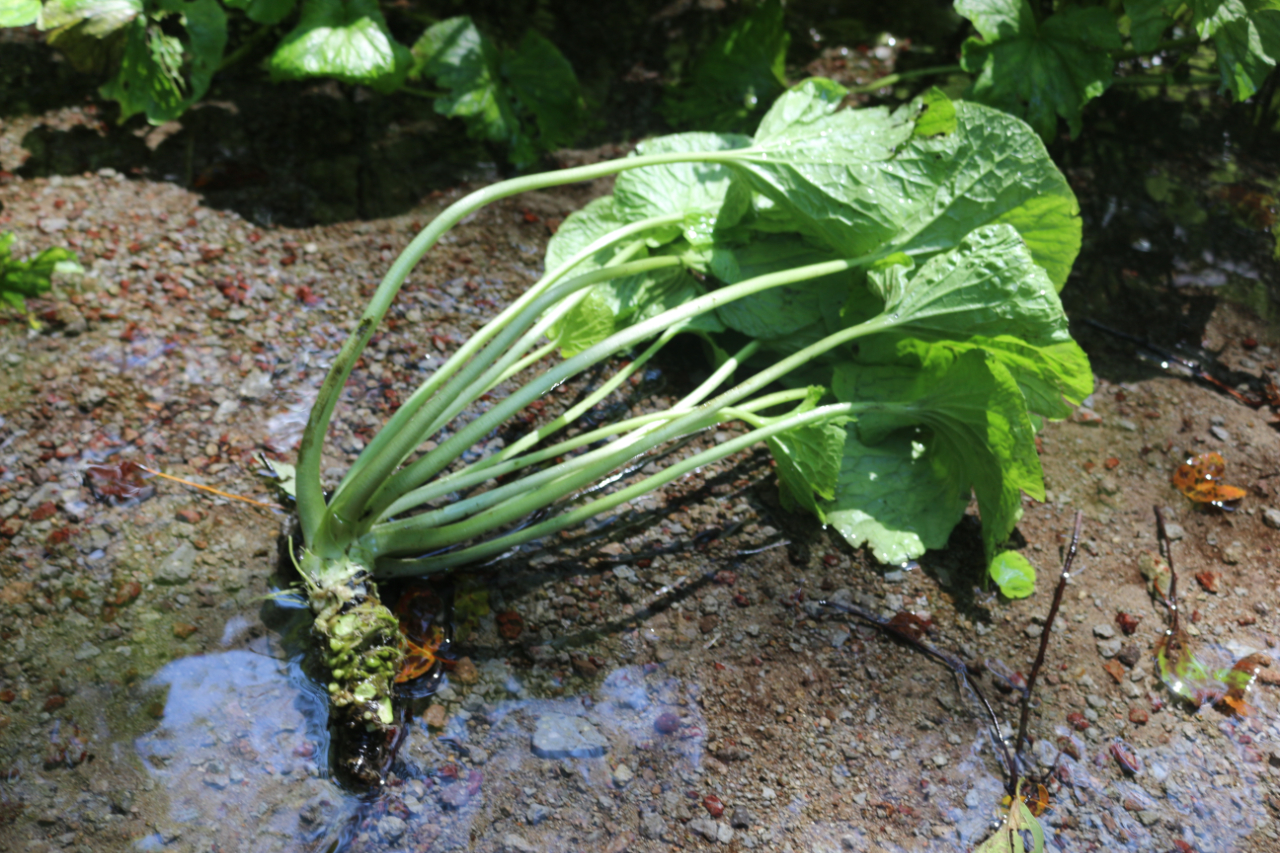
(1200, 479)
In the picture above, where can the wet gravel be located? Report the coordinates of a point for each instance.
(665, 679)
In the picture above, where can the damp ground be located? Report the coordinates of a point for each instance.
(665, 679)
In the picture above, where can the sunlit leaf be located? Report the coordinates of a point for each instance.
(347, 40)
(1039, 70)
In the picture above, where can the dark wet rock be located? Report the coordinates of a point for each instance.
(563, 736)
(741, 818)
(178, 566)
(1130, 655)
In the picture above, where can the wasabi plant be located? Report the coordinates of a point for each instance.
(884, 284)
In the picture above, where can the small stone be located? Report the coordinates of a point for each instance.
(1129, 655)
(465, 671)
(178, 566)
(704, 826)
(1220, 433)
(52, 224)
(435, 717)
(1174, 530)
(256, 385)
(536, 814)
(1095, 701)
(512, 843)
(1138, 716)
(1127, 426)
(1033, 631)
(1104, 631)
(1271, 517)
(477, 755)
(741, 818)
(652, 825)
(391, 827)
(1233, 554)
(1110, 648)
(562, 736)
(1209, 580)
(87, 650)
(182, 630)
(217, 780)
(1149, 817)
(767, 793)
(724, 833)
(622, 775)
(939, 760)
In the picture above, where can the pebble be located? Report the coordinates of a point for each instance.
(536, 814)
(652, 825)
(1220, 433)
(563, 736)
(434, 717)
(1271, 517)
(1110, 648)
(1174, 530)
(178, 566)
(1104, 631)
(256, 386)
(87, 650)
(622, 775)
(741, 818)
(940, 760)
(391, 827)
(1095, 701)
(512, 843)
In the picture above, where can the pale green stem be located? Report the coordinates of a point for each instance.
(311, 505)
(428, 466)
(347, 507)
(390, 568)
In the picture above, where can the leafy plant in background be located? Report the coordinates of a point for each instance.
(888, 280)
(1044, 66)
(732, 83)
(525, 98)
(162, 55)
(23, 280)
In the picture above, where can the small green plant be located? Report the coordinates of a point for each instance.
(23, 280)
(886, 280)
(161, 57)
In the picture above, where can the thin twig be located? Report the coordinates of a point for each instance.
(952, 662)
(205, 488)
(1166, 545)
(1044, 635)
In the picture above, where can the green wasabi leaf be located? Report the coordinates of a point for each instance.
(860, 182)
(1013, 573)
(894, 499)
(587, 324)
(347, 40)
(1039, 70)
(19, 13)
(543, 86)
(1148, 19)
(1054, 378)
(983, 437)
(162, 74)
(263, 11)
(89, 32)
(527, 99)
(989, 285)
(937, 114)
(737, 77)
(809, 459)
(21, 280)
(698, 190)
(779, 311)
(582, 228)
(1246, 36)
(802, 104)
